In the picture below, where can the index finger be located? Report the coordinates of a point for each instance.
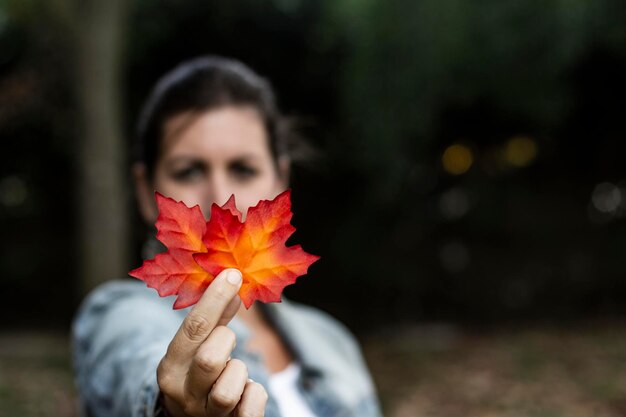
(215, 307)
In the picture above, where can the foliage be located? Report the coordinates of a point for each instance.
(530, 92)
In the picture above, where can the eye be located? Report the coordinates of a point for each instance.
(243, 171)
(189, 173)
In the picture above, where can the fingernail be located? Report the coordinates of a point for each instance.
(234, 277)
(250, 380)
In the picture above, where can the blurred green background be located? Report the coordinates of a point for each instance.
(472, 167)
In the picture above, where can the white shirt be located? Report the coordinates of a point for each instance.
(283, 386)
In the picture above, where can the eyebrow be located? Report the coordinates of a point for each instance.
(182, 159)
(192, 158)
(246, 157)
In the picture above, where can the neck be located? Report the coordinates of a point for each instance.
(252, 317)
(264, 339)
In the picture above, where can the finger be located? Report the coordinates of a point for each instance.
(227, 391)
(229, 312)
(253, 400)
(207, 365)
(205, 315)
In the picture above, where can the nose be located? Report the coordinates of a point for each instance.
(218, 190)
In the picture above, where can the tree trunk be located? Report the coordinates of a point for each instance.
(104, 231)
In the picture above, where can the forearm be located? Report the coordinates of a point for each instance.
(117, 345)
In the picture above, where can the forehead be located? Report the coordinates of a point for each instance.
(218, 133)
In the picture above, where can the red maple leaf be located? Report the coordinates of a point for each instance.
(175, 272)
(255, 247)
(198, 251)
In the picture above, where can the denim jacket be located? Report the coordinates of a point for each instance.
(122, 331)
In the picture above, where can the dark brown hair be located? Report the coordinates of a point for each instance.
(207, 83)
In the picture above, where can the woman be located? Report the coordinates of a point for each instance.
(210, 129)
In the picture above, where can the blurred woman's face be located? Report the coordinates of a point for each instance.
(205, 158)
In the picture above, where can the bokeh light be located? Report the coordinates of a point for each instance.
(606, 197)
(454, 203)
(457, 159)
(520, 151)
(606, 203)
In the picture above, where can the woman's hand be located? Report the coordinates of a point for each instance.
(196, 375)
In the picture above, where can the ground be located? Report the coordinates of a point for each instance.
(420, 371)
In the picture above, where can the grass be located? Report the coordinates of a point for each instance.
(574, 371)
(420, 371)
(35, 375)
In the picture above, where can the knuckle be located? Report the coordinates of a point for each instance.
(164, 377)
(165, 383)
(208, 362)
(223, 399)
(192, 409)
(239, 364)
(188, 409)
(256, 404)
(225, 334)
(258, 390)
(196, 328)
